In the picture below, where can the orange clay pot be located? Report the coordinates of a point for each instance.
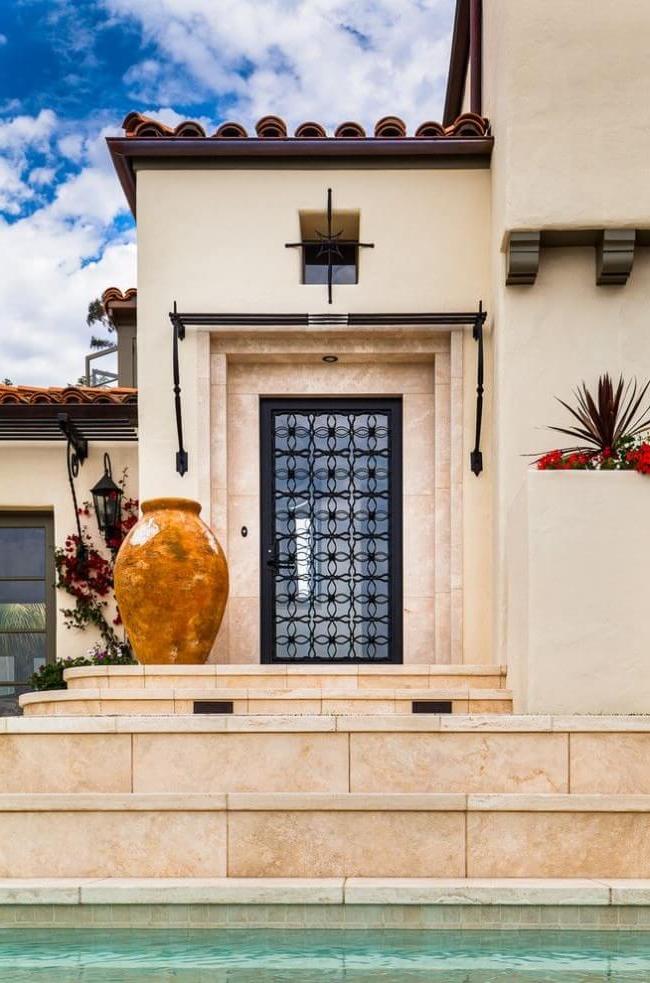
(171, 584)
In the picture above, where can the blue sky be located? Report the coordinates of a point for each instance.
(70, 70)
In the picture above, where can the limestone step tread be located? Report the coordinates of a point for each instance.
(315, 802)
(324, 890)
(460, 693)
(216, 669)
(349, 678)
(320, 723)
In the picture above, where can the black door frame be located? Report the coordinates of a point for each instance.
(270, 405)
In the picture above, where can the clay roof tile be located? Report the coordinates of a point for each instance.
(230, 131)
(35, 395)
(389, 127)
(310, 131)
(349, 129)
(271, 127)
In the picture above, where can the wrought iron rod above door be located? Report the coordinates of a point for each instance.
(439, 319)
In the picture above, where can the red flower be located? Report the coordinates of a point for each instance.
(550, 462)
(639, 458)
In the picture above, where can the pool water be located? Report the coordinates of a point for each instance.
(241, 956)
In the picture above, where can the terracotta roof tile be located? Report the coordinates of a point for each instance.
(229, 131)
(349, 129)
(390, 126)
(34, 395)
(113, 295)
(310, 131)
(430, 129)
(273, 127)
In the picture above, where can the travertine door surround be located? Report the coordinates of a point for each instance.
(426, 372)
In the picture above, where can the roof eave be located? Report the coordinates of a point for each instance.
(125, 151)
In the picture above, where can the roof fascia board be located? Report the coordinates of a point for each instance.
(410, 151)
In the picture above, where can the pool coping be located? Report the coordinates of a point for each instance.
(337, 891)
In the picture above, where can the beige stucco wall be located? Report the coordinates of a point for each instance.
(564, 87)
(34, 476)
(585, 595)
(213, 240)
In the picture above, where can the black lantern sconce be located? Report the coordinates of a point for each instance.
(107, 499)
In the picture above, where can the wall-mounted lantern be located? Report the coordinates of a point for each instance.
(107, 499)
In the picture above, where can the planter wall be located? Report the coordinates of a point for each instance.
(585, 596)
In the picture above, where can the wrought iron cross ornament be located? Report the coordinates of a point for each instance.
(329, 244)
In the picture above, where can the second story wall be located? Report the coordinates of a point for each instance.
(213, 239)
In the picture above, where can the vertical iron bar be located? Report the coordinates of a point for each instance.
(476, 457)
(329, 245)
(179, 334)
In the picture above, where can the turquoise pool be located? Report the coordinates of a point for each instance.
(242, 956)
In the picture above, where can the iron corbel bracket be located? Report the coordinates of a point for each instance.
(78, 443)
(178, 328)
(76, 454)
(476, 456)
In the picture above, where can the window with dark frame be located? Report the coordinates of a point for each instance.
(27, 604)
(345, 265)
(329, 243)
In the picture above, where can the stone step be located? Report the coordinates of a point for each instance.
(325, 753)
(262, 701)
(324, 835)
(321, 677)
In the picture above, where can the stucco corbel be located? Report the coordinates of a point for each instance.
(522, 258)
(614, 256)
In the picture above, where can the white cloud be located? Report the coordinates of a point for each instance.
(42, 176)
(305, 59)
(327, 60)
(56, 259)
(24, 132)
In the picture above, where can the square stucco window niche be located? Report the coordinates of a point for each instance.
(344, 250)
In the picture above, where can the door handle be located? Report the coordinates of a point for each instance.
(273, 558)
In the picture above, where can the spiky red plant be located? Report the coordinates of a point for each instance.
(613, 415)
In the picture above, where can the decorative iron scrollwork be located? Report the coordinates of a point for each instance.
(329, 245)
(330, 554)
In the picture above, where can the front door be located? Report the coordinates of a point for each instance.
(331, 523)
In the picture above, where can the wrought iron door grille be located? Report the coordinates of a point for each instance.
(331, 559)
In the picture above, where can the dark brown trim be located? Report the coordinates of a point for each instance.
(110, 423)
(98, 412)
(407, 151)
(466, 52)
(476, 56)
(458, 62)
(420, 319)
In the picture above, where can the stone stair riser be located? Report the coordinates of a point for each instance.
(254, 701)
(315, 760)
(324, 836)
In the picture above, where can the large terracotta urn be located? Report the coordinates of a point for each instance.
(171, 584)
